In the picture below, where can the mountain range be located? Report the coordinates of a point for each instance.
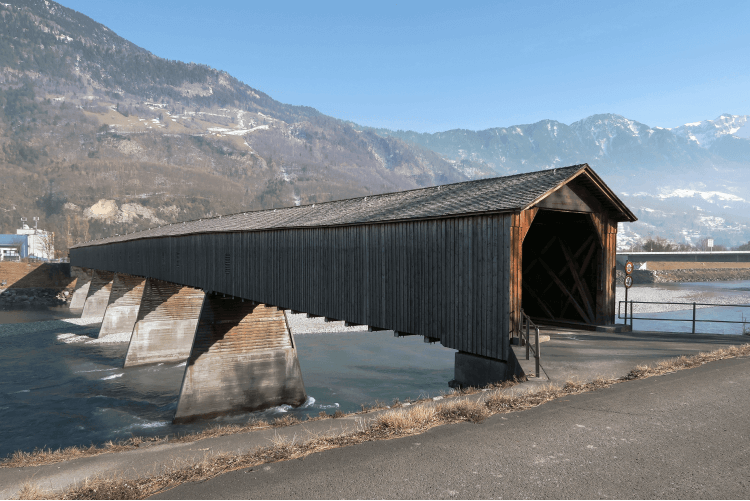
(99, 136)
(685, 183)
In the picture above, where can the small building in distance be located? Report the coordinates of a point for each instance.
(27, 242)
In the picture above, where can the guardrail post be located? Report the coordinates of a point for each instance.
(527, 339)
(536, 351)
(693, 318)
(631, 315)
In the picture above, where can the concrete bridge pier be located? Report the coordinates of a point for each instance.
(478, 371)
(124, 303)
(165, 324)
(83, 282)
(243, 359)
(98, 294)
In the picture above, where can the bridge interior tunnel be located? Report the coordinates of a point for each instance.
(561, 268)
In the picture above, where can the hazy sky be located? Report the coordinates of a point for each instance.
(431, 66)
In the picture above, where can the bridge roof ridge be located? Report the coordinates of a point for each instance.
(499, 194)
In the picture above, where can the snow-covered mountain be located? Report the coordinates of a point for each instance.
(705, 133)
(684, 183)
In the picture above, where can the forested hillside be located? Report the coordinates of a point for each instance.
(101, 137)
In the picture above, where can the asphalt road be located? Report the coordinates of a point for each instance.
(682, 435)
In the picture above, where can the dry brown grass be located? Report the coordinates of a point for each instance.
(33, 491)
(688, 362)
(410, 420)
(39, 457)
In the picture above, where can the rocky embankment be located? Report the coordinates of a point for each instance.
(14, 299)
(686, 275)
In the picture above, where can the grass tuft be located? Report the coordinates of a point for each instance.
(462, 410)
(33, 491)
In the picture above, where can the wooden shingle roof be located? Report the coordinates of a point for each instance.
(493, 195)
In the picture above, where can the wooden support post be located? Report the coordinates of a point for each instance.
(580, 284)
(565, 291)
(539, 300)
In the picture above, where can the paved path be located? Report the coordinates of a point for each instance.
(584, 355)
(682, 435)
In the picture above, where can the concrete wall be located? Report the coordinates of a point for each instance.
(36, 275)
(243, 359)
(124, 304)
(97, 298)
(475, 371)
(165, 325)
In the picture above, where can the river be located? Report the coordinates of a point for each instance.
(61, 387)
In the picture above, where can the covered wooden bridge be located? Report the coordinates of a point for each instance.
(453, 263)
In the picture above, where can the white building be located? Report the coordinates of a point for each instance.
(9, 252)
(41, 244)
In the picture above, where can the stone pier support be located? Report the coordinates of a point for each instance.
(98, 295)
(83, 282)
(165, 325)
(478, 371)
(124, 303)
(243, 359)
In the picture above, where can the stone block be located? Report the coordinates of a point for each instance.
(81, 290)
(98, 294)
(243, 359)
(165, 325)
(124, 303)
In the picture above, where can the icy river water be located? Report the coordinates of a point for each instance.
(60, 387)
(55, 393)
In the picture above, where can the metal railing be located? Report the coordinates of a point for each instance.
(527, 322)
(694, 306)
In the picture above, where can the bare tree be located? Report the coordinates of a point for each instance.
(47, 244)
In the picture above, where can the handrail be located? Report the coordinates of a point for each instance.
(535, 349)
(629, 306)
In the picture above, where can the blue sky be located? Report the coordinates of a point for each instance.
(432, 66)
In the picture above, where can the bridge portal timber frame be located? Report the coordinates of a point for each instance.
(444, 262)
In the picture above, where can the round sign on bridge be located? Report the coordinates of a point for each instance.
(629, 267)
(628, 282)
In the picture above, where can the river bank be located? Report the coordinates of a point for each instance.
(686, 275)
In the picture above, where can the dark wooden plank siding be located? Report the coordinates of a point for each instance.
(606, 232)
(443, 278)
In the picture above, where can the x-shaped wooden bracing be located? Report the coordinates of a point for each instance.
(585, 307)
